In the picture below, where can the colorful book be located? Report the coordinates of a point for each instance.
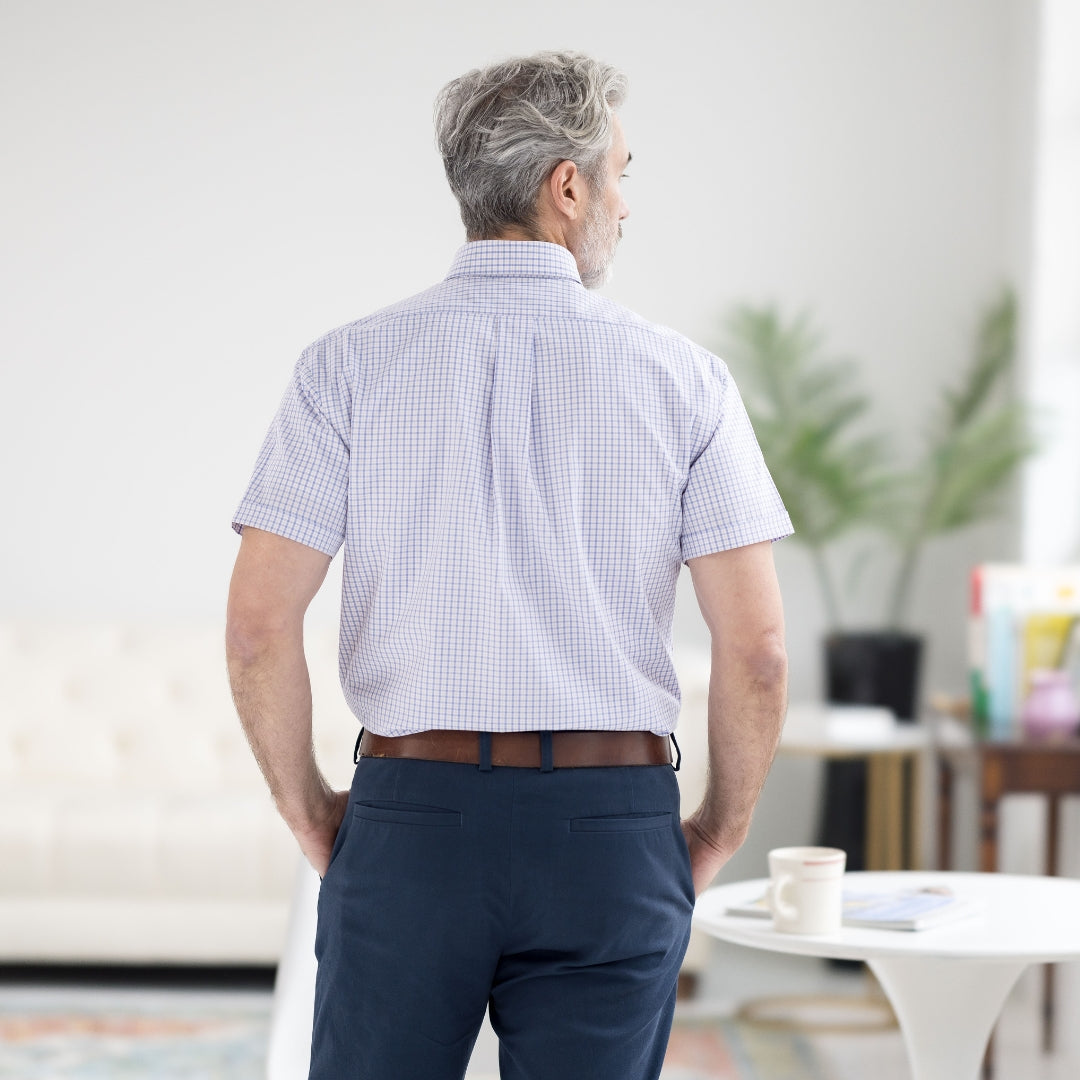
(1022, 619)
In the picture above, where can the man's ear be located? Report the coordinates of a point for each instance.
(566, 190)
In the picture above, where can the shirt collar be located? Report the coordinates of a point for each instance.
(514, 258)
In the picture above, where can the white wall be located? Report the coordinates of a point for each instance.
(1052, 490)
(194, 192)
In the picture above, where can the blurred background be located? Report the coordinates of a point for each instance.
(192, 196)
(193, 193)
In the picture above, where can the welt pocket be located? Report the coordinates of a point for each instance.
(642, 822)
(400, 813)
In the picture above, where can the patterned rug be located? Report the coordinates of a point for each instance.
(127, 1034)
(175, 1035)
(724, 1049)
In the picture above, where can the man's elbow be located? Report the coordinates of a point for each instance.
(244, 644)
(254, 630)
(762, 659)
(770, 664)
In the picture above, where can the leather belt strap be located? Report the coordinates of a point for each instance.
(522, 749)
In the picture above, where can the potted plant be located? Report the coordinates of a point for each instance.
(836, 478)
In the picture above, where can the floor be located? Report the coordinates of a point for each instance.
(829, 996)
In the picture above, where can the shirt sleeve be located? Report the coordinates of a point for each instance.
(299, 488)
(730, 499)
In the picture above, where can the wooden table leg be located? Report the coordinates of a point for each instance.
(885, 818)
(989, 798)
(1053, 826)
(893, 798)
(990, 791)
(892, 821)
(913, 817)
(944, 813)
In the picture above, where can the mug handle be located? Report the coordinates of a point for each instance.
(774, 898)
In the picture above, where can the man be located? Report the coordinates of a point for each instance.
(515, 470)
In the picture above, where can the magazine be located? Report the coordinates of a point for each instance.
(906, 909)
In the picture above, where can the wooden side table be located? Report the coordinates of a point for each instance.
(893, 753)
(1001, 767)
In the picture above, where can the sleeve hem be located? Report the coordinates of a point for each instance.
(751, 532)
(292, 528)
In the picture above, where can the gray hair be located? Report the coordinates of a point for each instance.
(502, 129)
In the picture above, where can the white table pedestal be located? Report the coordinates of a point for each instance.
(947, 985)
(944, 1041)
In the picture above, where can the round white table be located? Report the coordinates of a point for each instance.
(946, 984)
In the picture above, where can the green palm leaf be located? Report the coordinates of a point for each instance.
(809, 415)
(805, 408)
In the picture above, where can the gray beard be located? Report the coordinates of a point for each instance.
(596, 257)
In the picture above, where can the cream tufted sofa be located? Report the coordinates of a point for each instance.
(134, 824)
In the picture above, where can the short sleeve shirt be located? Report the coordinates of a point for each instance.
(514, 470)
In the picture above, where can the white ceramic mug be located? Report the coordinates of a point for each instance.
(806, 889)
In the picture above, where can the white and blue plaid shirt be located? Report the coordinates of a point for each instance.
(516, 468)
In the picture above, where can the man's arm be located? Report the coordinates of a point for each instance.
(739, 598)
(273, 582)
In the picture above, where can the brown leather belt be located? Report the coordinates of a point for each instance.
(523, 749)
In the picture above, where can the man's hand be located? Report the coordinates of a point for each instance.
(707, 856)
(317, 841)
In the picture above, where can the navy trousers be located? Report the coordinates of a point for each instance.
(558, 900)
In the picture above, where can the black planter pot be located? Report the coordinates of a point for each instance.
(870, 668)
(874, 668)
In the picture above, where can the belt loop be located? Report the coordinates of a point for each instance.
(485, 751)
(678, 759)
(547, 754)
(356, 749)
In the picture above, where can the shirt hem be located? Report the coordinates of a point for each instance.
(391, 731)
